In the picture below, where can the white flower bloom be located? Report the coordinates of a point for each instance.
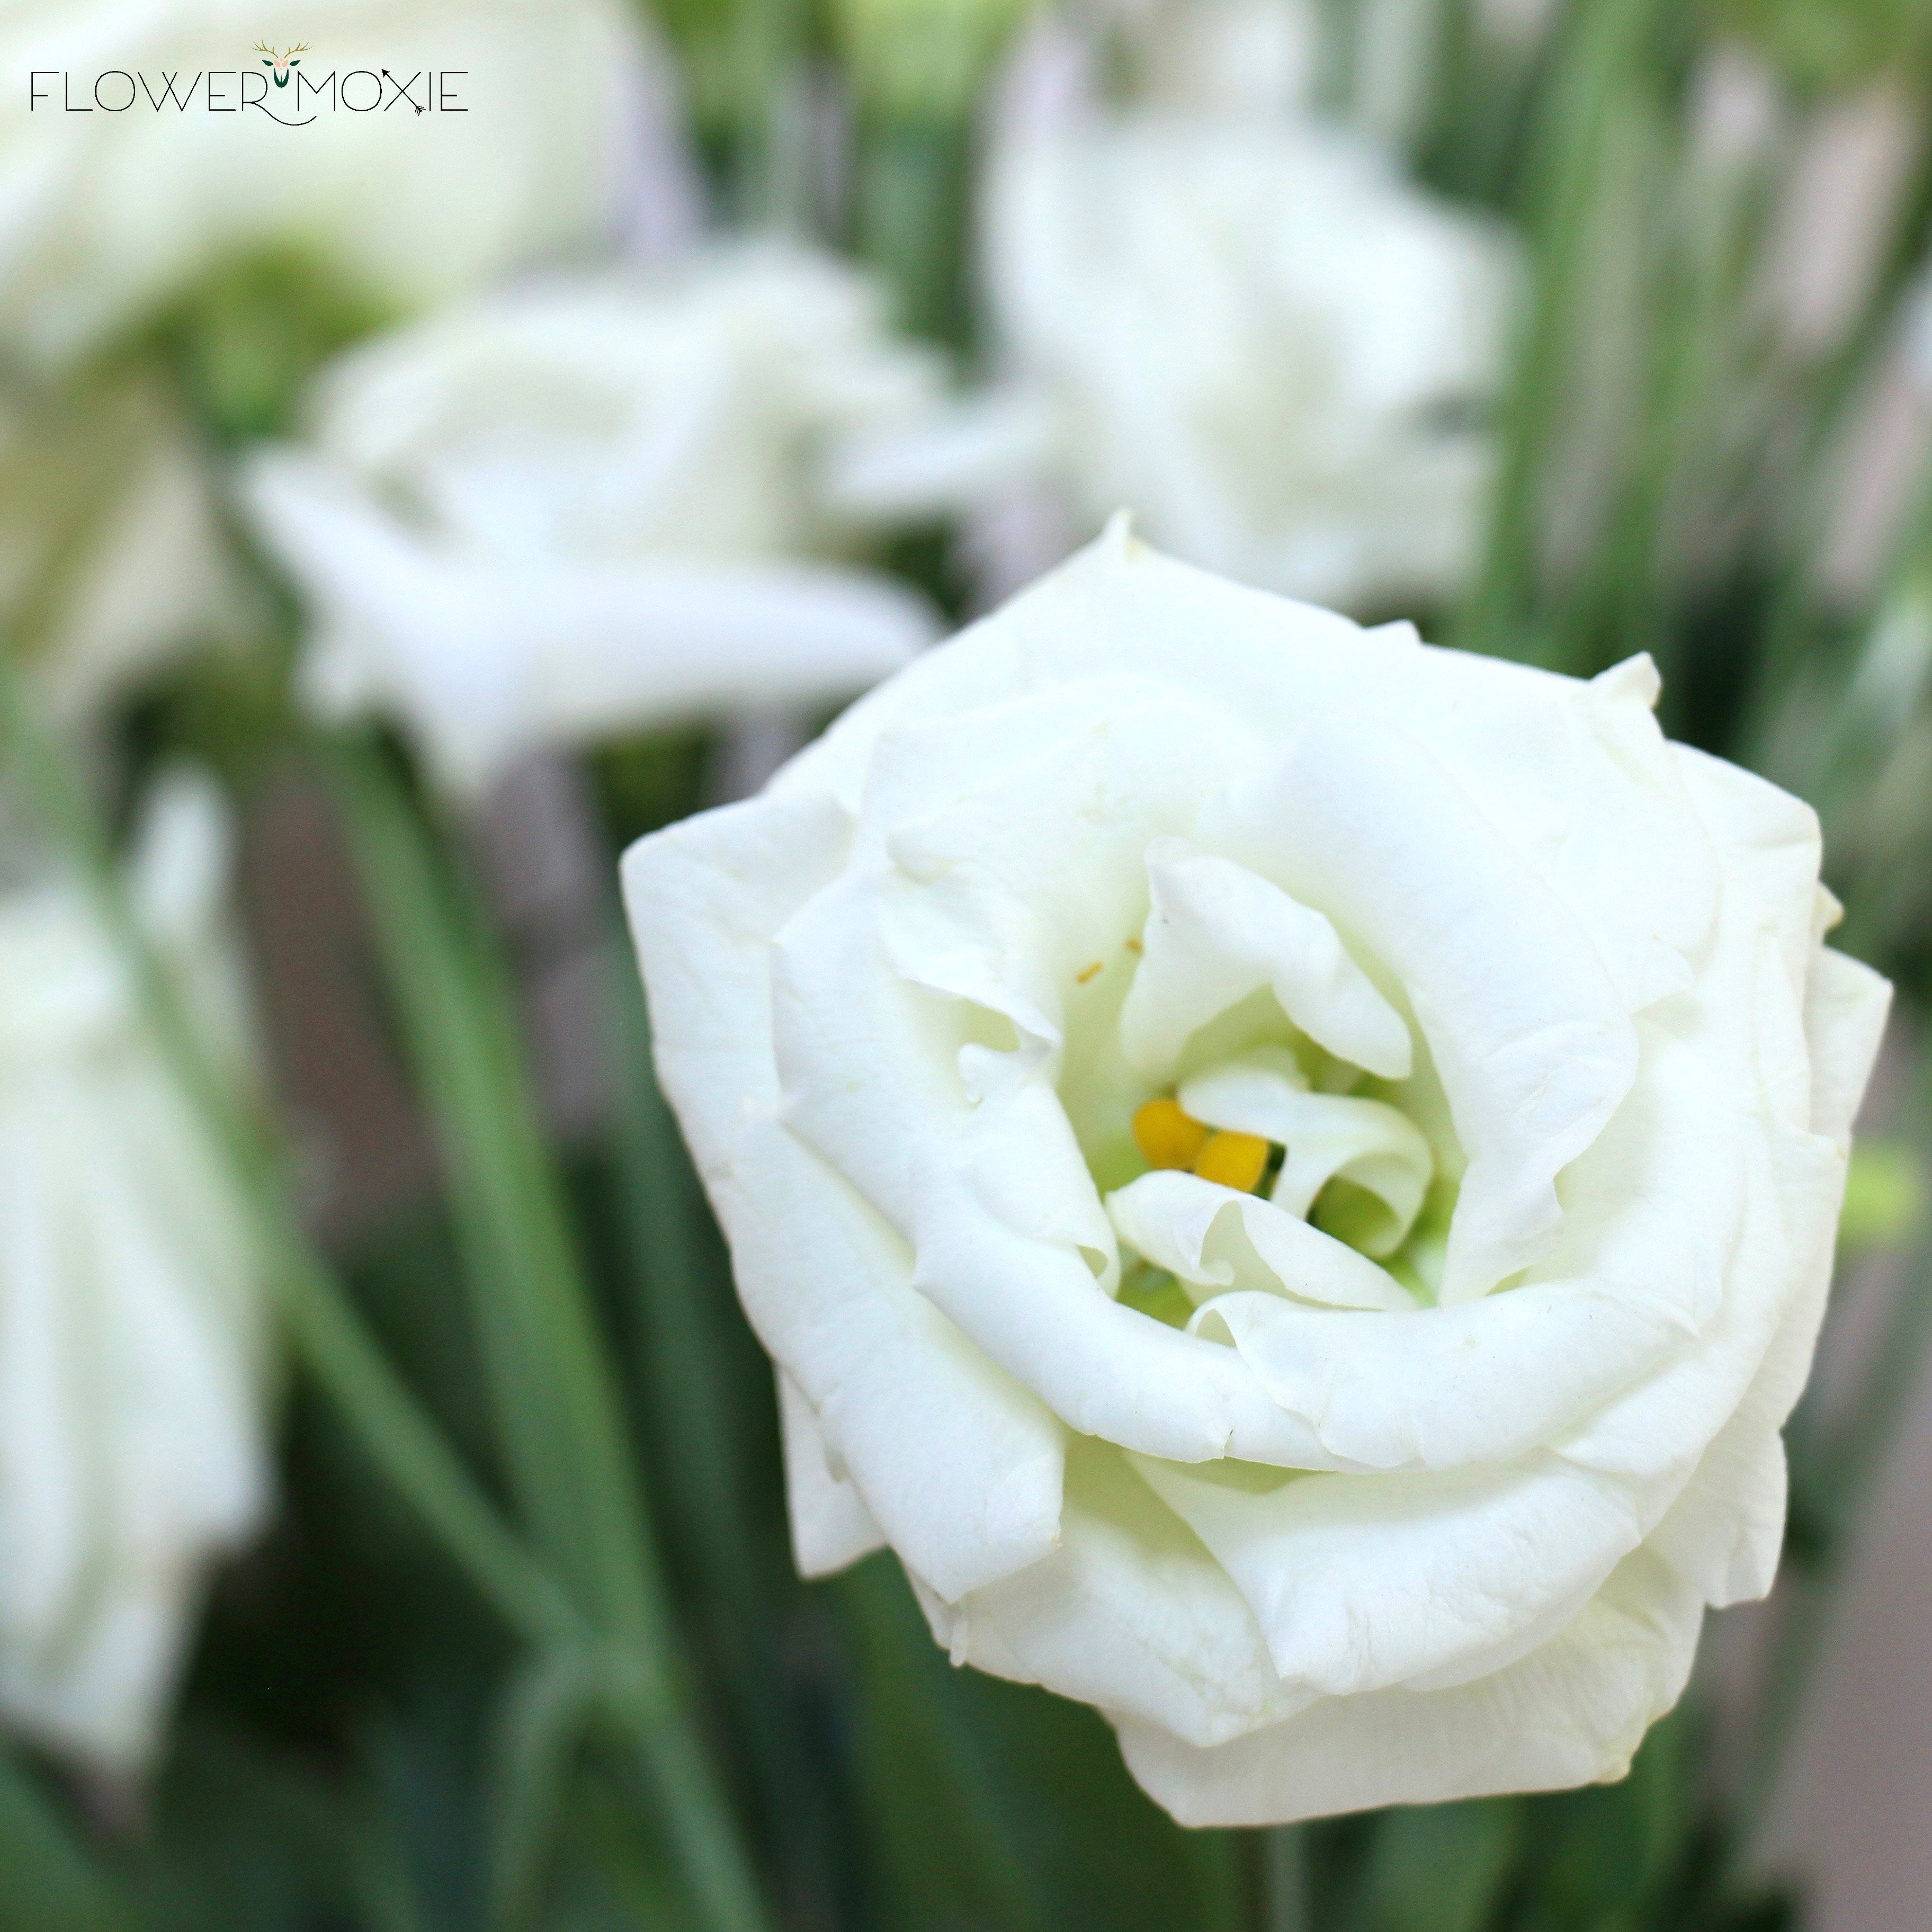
(1284, 356)
(575, 510)
(131, 1322)
(110, 555)
(1407, 1474)
(108, 211)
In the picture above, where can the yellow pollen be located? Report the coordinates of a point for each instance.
(1087, 973)
(1235, 1160)
(1135, 945)
(1169, 1138)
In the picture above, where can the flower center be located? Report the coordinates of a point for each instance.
(1170, 1137)
(1270, 1165)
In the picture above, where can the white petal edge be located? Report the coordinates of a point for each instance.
(1212, 1237)
(1572, 1712)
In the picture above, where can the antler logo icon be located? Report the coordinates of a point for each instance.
(279, 60)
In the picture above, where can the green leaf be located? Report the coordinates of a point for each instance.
(541, 1720)
(610, 1876)
(48, 1882)
(247, 1839)
(706, 1408)
(1603, 62)
(1608, 1851)
(553, 1393)
(997, 1808)
(1823, 45)
(1441, 1867)
(252, 335)
(552, 1397)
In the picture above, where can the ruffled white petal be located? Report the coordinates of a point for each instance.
(487, 659)
(1845, 1007)
(957, 1465)
(1571, 1712)
(1533, 1047)
(1327, 1136)
(1129, 1612)
(1433, 1388)
(1216, 933)
(868, 1064)
(831, 1526)
(1360, 1582)
(1211, 1236)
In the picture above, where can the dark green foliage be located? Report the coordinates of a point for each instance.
(1441, 1868)
(996, 1808)
(252, 335)
(50, 1880)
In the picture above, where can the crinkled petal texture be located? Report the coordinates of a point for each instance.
(132, 1431)
(1399, 1465)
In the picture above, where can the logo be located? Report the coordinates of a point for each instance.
(281, 59)
(361, 90)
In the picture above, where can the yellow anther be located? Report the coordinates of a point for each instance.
(1168, 1137)
(1235, 1160)
(1080, 979)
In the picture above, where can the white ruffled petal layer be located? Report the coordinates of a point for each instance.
(1459, 933)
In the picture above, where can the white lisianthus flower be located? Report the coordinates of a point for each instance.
(132, 1447)
(1289, 1174)
(1284, 356)
(117, 196)
(111, 557)
(575, 510)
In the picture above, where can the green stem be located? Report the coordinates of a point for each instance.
(553, 1396)
(1603, 50)
(555, 1407)
(678, 1762)
(406, 1446)
(337, 1349)
(1792, 628)
(1691, 313)
(921, 1729)
(912, 204)
(1285, 1879)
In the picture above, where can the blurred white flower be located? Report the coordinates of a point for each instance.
(1289, 1174)
(107, 213)
(1281, 355)
(110, 554)
(132, 1445)
(576, 511)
